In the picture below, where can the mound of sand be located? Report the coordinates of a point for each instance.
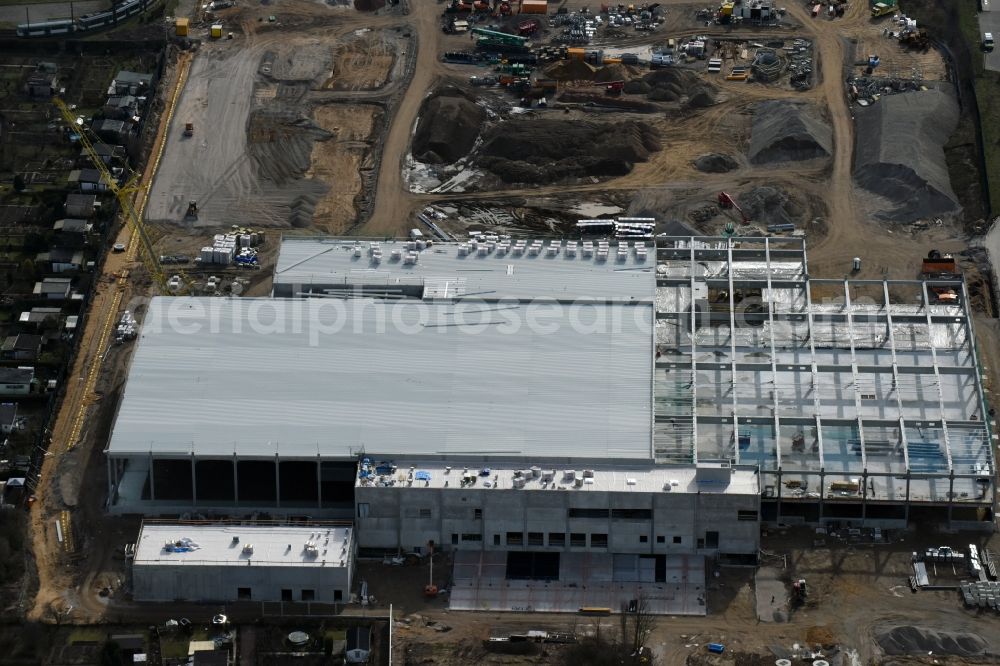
(614, 72)
(912, 640)
(545, 151)
(715, 163)
(899, 153)
(448, 126)
(570, 70)
(787, 131)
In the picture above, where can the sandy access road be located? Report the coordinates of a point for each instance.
(71, 448)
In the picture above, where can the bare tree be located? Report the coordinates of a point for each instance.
(636, 624)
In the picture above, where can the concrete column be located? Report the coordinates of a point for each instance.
(777, 515)
(822, 491)
(951, 493)
(277, 481)
(906, 505)
(152, 479)
(864, 495)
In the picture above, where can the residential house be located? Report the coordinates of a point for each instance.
(16, 381)
(130, 83)
(8, 417)
(81, 205)
(109, 154)
(37, 317)
(41, 84)
(60, 260)
(359, 645)
(21, 347)
(112, 131)
(72, 226)
(88, 180)
(122, 107)
(53, 289)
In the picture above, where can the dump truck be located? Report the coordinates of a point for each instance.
(188, 129)
(882, 8)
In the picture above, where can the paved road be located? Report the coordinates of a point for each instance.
(990, 22)
(37, 13)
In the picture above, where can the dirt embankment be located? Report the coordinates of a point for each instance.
(547, 151)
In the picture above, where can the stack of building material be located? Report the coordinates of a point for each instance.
(982, 594)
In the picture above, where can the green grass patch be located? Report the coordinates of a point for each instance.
(87, 635)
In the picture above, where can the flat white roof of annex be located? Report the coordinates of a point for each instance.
(552, 269)
(308, 378)
(271, 545)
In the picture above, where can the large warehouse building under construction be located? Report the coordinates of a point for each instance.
(641, 406)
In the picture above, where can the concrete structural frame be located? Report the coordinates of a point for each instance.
(858, 400)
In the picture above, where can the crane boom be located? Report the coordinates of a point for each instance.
(124, 195)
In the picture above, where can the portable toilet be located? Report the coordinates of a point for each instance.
(181, 27)
(216, 31)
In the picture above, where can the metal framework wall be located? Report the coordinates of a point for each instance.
(869, 388)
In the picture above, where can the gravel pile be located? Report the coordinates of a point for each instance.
(899, 153)
(715, 163)
(913, 640)
(546, 151)
(448, 127)
(787, 132)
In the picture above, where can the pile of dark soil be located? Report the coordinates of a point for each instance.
(715, 163)
(546, 151)
(770, 205)
(670, 85)
(917, 640)
(787, 131)
(637, 87)
(899, 153)
(448, 126)
(570, 70)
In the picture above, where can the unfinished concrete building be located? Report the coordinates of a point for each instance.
(598, 415)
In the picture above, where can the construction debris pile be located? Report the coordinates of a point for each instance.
(448, 127)
(547, 151)
(868, 89)
(787, 131)
(899, 153)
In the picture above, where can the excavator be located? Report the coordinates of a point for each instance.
(727, 201)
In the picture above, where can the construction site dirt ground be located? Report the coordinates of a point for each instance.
(324, 103)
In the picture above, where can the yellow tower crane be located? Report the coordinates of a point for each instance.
(124, 194)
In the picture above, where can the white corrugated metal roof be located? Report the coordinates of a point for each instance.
(214, 376)
(450, 272)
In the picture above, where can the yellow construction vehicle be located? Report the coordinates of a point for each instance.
(124, 194)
